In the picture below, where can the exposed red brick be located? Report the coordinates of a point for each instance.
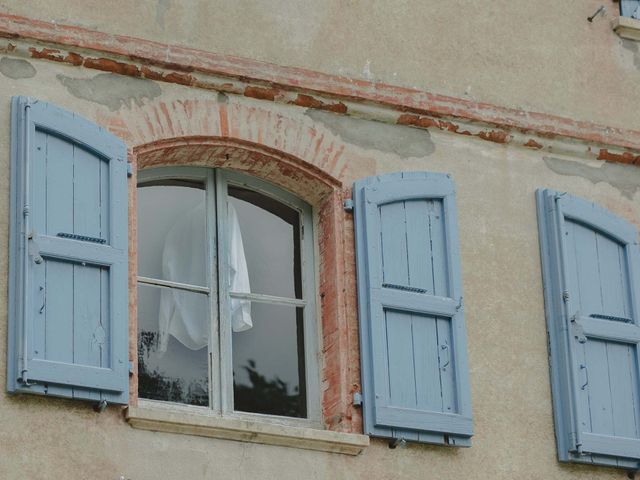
(73, 59)
(261, 93)
(224, 120)
(133, 290)
(108, 65)
(417, 121)
(533, 144)
(150, 73)
(427, 122)
(171, 77)
(624, 157)
(56, 56)
(495, 136)
(47, 54)
(290, 78)
(311, 102)
(179, 78)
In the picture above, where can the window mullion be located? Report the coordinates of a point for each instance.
(212, 271)
(268, 299)
(226, 362)
(187, 287)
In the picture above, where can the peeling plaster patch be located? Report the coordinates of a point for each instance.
(625, 178)
(161, 11)
(223, 98)
(403, 141)
(366, 71)
(111, 90)
(16, 68)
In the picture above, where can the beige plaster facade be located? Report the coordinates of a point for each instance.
(542, 56)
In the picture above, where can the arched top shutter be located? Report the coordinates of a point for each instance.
(413, 342)
(591, 265)
(69, 268)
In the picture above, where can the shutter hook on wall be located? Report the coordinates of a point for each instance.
(601, 10)
(101, 406)
(397, 442)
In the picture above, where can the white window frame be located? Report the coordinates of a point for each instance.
(216, 182)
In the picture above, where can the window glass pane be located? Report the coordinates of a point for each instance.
(172, 233)
(268, 362)
(267, 232)
(173, 334)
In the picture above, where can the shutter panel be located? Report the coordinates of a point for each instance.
(68, 290)
(413, 341)
(630, 8)
(590, 262)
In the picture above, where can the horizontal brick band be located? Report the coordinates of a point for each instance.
(419, 106)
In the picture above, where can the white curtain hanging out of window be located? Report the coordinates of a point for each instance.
(184, 315)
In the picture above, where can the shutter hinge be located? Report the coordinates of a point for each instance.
(101, 406)
(577, 330)
(565, 296)
(129, 170)
(348, 205)
(130, 368)
(24, 380)
(397, 442)
(573, 440)
(357, 399)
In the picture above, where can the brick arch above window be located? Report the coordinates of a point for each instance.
(340, 376)
(286, 131)
(302, 178)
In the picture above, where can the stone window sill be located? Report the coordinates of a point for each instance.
(627, 27)
(206, 424)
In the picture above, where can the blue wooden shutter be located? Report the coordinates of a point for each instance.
(413, 342)
(68, 286)
(591, 265)
(630, 8)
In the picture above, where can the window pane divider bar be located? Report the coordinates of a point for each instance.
(169, 284)
(271, 299)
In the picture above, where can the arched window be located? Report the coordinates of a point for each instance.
(226, 294)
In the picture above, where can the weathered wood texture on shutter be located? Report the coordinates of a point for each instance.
(69, 265)
(590, 263)
(413, 341)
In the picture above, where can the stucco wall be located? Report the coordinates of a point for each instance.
(542, 56)
(51, 438)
